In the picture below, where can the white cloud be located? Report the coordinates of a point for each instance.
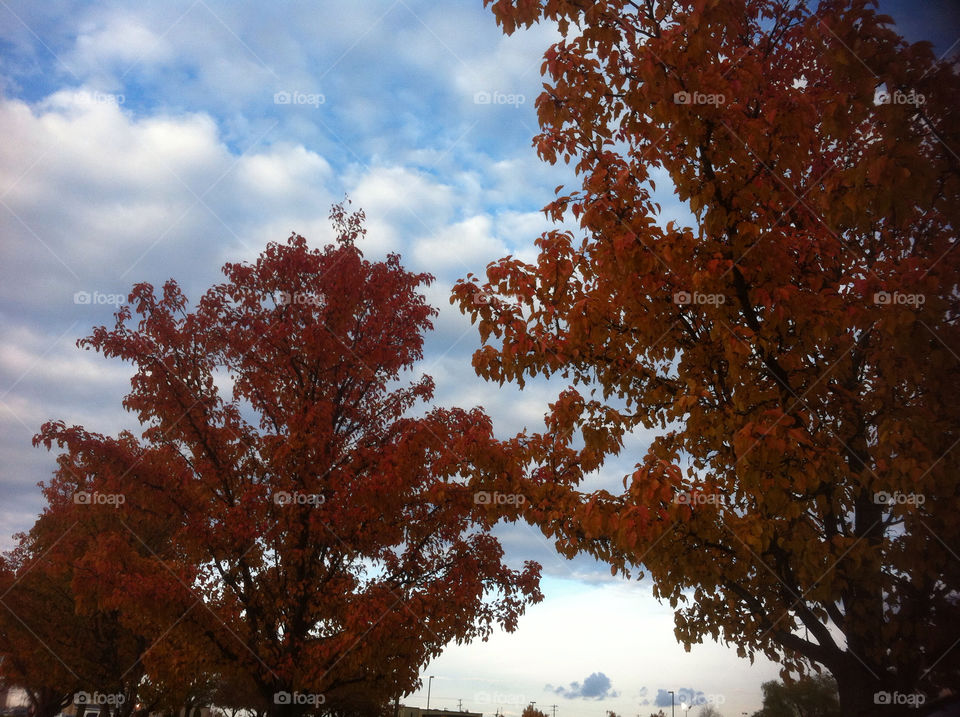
(462, 246)
(287, 170)
(121, 39)
(96, 199)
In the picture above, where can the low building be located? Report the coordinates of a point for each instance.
(423, 712)
(14, 702)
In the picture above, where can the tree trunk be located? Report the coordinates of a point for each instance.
(47, 703)
(863, 695)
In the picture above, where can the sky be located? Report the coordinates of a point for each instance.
(158, 139)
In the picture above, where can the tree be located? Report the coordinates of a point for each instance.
(709, 711)
(325, 543)
(531, 711)
(26, 659)
(55, 646)
(795, 351)
(813, 696)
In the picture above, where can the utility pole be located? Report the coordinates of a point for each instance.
(555, 711)
(459, 705)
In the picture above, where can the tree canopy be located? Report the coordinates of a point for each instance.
(794, 352)
(283, 524)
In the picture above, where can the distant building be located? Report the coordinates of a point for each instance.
(14, 702)
(74, 710)
(422, 712)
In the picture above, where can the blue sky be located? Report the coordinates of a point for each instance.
(151, 140)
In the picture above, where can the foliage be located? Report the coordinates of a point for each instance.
(812, 696)
(795, 353)
(709, 711)
(283, 527)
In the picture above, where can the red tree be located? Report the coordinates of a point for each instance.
(325, 541)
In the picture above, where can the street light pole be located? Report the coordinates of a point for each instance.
(429, 685)
(672, 712)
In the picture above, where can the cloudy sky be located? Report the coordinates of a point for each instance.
(157, 139)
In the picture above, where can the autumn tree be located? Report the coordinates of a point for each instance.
(811, 696)
(59, 648)
(28, 661)
(795, 352)
(531, 711)
(325, 541)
